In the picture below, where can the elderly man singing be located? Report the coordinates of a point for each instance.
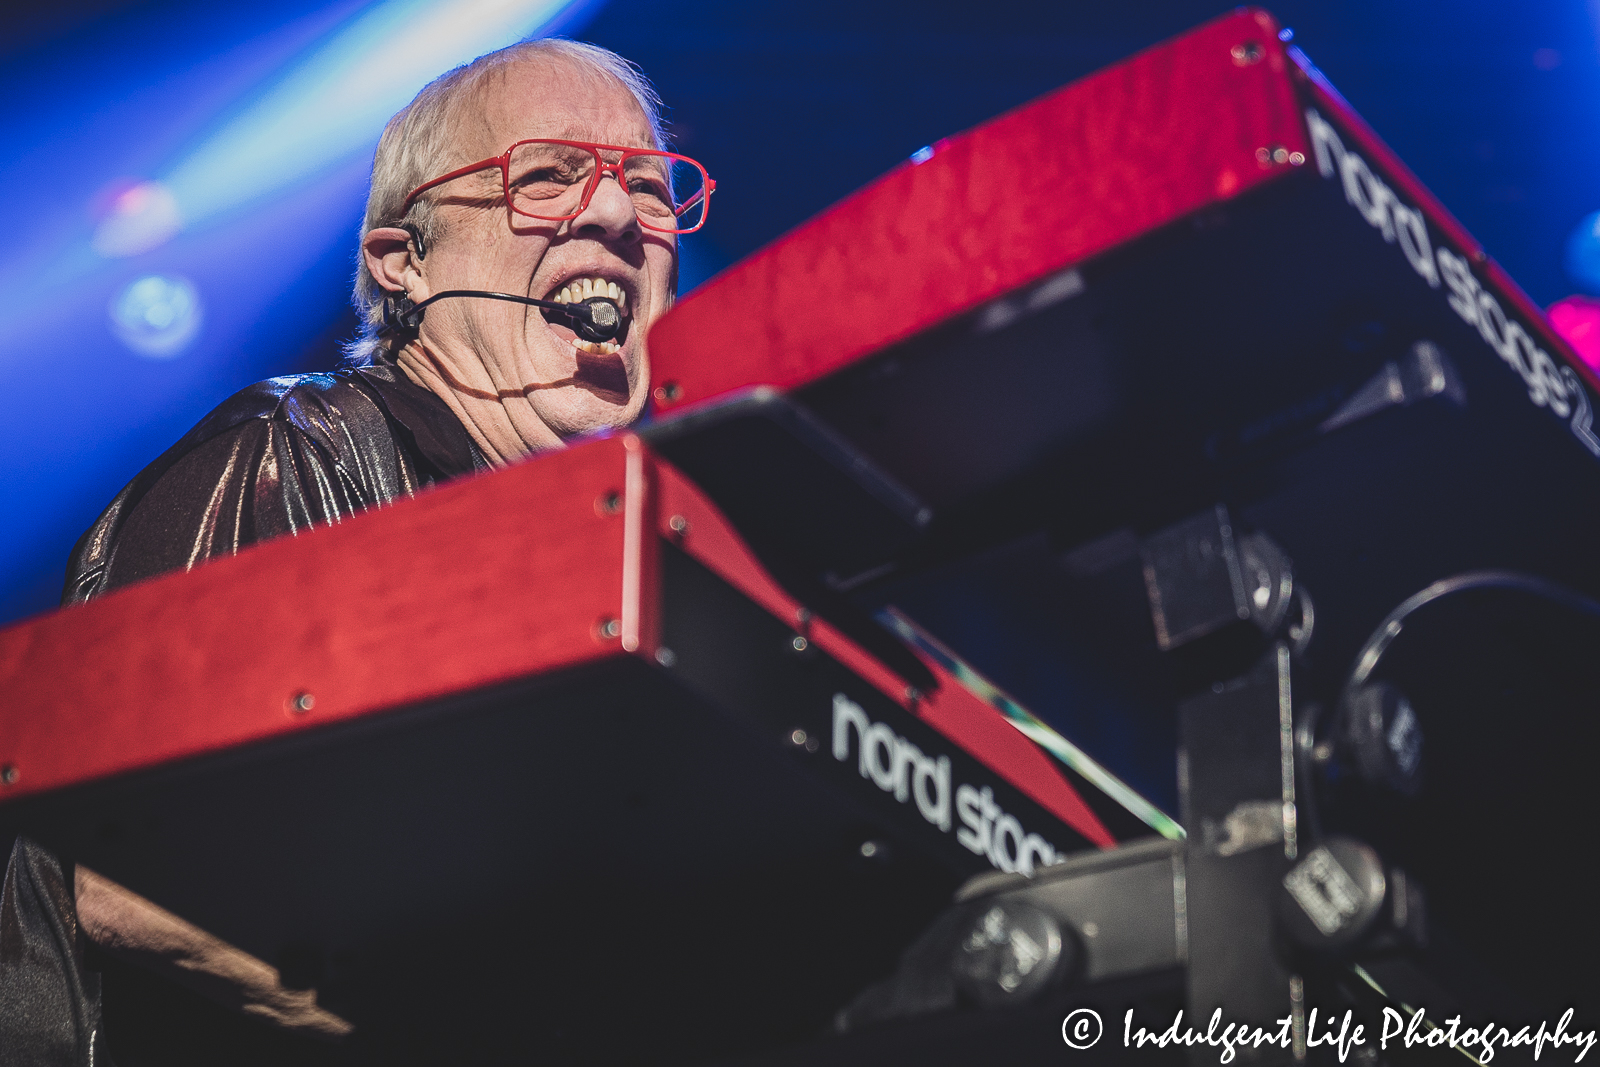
(520, 239)
(534, 173)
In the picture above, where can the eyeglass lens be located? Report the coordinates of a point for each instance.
(547, 181)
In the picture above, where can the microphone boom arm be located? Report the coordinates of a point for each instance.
(594, 319)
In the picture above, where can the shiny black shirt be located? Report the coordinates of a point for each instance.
(277, 458)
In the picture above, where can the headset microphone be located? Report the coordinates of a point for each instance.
(594, 319)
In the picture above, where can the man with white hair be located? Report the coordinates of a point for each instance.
(533, 175)
(520, 239)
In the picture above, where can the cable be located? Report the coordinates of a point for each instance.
(1371, 652)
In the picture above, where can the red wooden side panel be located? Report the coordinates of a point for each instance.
(504, 576)
(477, 582)
(1116, 155)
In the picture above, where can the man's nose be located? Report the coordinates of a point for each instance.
(610, 215)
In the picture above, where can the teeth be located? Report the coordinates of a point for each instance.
(581, 289)
(598, 348)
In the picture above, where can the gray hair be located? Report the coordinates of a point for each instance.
(417, 143)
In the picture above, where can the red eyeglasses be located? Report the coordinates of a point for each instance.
(555, 180)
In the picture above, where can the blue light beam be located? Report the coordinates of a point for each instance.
(336, 100)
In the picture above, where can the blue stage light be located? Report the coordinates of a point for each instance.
(141, 217)
(1582, 256)
(333, 103)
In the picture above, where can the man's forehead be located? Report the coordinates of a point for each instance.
(556, 97)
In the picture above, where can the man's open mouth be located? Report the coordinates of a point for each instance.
(580, 289)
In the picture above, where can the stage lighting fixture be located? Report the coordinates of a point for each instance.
(1577, 320)
(141, 217)
(157, 315)
(1582, 254)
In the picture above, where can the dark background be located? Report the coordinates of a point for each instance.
(791, 106)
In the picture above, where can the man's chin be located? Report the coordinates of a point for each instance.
(584, 409)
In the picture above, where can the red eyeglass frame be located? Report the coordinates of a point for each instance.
(602, 168)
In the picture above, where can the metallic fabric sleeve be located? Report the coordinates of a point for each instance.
(258, 480)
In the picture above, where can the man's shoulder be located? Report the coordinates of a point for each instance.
(353, 411)
(327, 443)
(314, 403)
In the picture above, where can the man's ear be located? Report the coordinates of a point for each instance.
(392, 259)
